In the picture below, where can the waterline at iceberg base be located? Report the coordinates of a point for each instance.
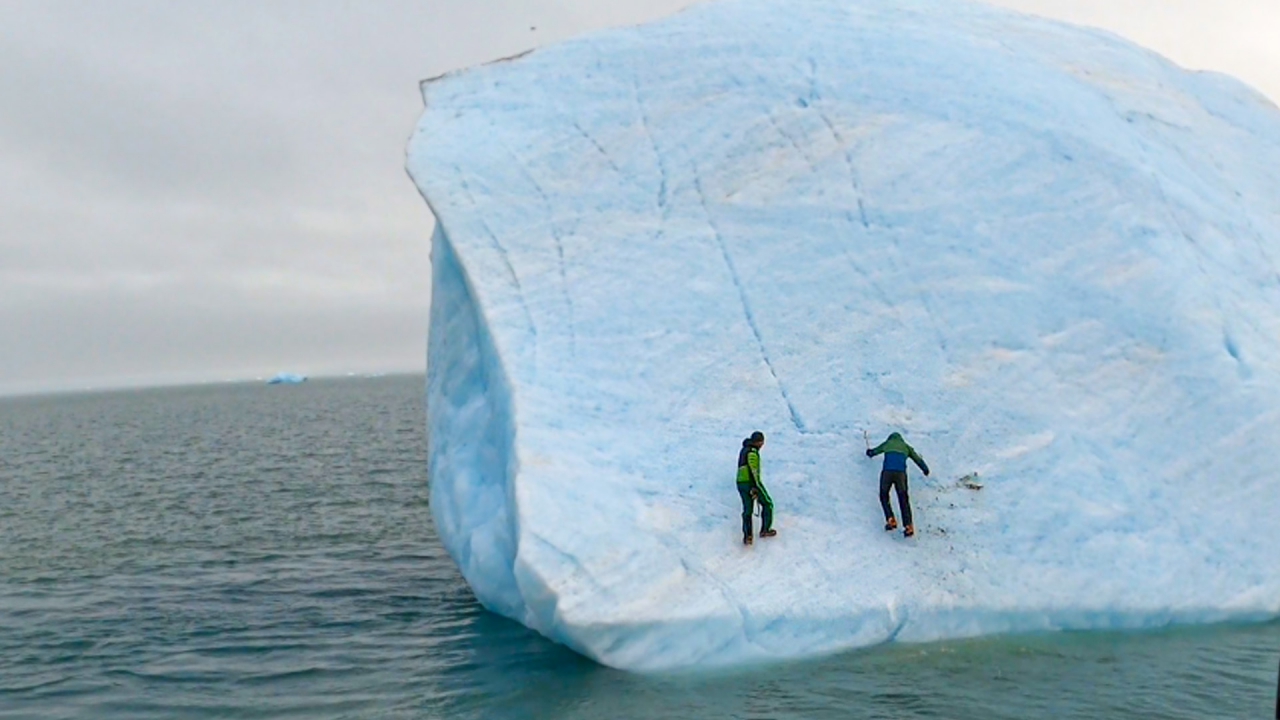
(1041, 253)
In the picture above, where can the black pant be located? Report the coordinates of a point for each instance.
(766, 509)
(896, 479)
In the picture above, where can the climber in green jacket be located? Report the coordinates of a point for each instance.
(894, 475)
(751, 488)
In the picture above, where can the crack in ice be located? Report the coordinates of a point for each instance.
(502, 252)
(746, 305)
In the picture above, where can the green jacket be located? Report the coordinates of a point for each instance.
(749, 465)
(749, 471)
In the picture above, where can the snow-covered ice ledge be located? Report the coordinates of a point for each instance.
(1042, 253)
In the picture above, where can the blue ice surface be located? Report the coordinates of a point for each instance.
(286, 378)
(1042, 253)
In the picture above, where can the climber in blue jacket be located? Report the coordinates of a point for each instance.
(893, 474)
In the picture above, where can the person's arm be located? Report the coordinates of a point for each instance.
(872, 452)
(753, 464)
(919, 461)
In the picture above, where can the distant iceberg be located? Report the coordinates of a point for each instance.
(1045, 255)
(285, 378)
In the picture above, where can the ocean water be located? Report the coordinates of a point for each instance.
(245, 551)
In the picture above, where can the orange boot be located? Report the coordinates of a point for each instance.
(892, 524)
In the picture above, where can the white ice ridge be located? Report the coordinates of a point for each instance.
(1041, 253)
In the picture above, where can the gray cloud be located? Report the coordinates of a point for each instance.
(191, 190)
(1237, 37)
(211, 189)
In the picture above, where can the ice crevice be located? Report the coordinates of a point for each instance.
(796, 420)
(853, 171)
(773, 120)
(501, 250)
(559, 243)
(658, 157)
(613, 165)
(845, 148)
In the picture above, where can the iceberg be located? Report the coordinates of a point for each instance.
(286, 378)
(1048, 257)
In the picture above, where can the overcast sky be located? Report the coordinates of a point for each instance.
(214, 189)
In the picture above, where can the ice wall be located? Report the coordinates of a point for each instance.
(1043, 254)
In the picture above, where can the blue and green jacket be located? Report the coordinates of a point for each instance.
(896, 451)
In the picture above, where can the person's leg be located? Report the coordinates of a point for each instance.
(904, 502)
(744, 492)
(885, 482)
(766, 509)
